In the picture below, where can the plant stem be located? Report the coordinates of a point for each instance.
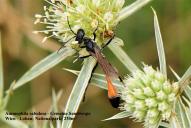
(1, 72)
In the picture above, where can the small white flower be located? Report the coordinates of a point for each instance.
(167, 87)
(161, 95)
(151, 102)
(94, 23)
(149, 70)
(140, 105)
(171, 97)
(130, 99)
(159, 76)
(166, 115)
(139, 115)
(96, 3)
(148, 91)
(80, 8)
(108, 16)
(119, 3)
(163, 106)
(156, 85)
(152, 113)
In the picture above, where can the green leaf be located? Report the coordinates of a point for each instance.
(175, 74)
(55, 99)
(12, 123)
(164, 124)
(180, 113)
(98, 79)
(160, 47)
(188, 92)
(122, 56)
(8, 95)
(185, 79)
(44, 65)
(55, 106)
(183, 115)
(174, 123)
(131, 9)
(78, 90)
(1, 72)
(186, 109)
(119, 116)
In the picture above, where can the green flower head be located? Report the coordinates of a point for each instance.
(85, 14)
(148, 96)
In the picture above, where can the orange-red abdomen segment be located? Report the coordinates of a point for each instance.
(112, 94)
(111, 89)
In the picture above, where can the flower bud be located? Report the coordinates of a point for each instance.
(151, 102)
(140, 105)
(148, 91)
(167, 87)
(161, 95)
(163, 106)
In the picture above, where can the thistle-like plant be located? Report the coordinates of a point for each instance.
(83, 14)
(150, 97)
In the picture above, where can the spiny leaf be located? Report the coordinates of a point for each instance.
(44, 65)
(122, 56)
(185, 79)
(175, 74)
(119, 116)
(98, 79)
(8, 95)
(188, 92)
(55, 99)
(186, 109)
(131, 9)
(78, 90)
(183, 114)
(55, 106)
(180, 114)
(174, 123)
(160, 47)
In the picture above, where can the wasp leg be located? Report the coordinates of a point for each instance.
(82, 46)
(109, 41)
(65, 43)
(83, 57)
(84, 97)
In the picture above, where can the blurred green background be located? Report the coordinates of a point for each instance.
(22, 49)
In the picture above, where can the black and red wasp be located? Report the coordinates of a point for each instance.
(110, 72)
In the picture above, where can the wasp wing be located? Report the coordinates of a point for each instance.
(107, 68)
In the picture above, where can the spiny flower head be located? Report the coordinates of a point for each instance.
(85, 14)
(149, 96)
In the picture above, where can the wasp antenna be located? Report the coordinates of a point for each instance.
(70, 26)
(94, 33)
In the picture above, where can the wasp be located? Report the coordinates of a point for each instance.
(94, 50)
